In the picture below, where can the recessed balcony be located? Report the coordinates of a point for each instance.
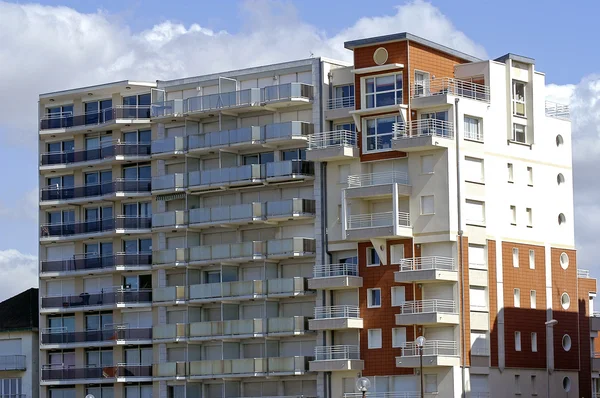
(247, 290)
(83, 264)
(441, 91)
(170, 295)
(13, 362)
(279, 249)
(249, 367)
(377, 185)
(117, 152)
(96, 228)
(248, 328)
(63, 374)
(178, 257)
(55, 338)
(423, 135)
(332, 145)
(169, 147)
(120, 114)
(426, 270)
(336, 358)
(434, 312)
(435, 353)
(118, 189)
(336, 317)
(119, 298)
(378, 225)
(169, 183)
(335, 276)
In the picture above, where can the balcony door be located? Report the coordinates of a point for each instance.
(138, 319)
(139, 356)
(62, 359)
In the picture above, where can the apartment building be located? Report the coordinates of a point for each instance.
(280, 231)
(19, 346)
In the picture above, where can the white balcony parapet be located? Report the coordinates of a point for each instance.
(558, 111)
(390, 394)
(334, 352)
(329, 139)
(374, 220)
(383, 178)
(428, 306)
(448, 85)
(424, 128)
(337, 311)
(583, 273)
(431, 347)
(340, 102)
(433, 262)
(331, 270)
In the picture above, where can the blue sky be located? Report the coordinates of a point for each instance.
(70, 43)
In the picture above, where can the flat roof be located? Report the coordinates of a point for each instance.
(516, 57)
(104, 86)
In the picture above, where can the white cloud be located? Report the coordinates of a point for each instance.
(19, 272)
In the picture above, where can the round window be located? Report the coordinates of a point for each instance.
(559, 140)
(561, 219)
(560, 179)
(380, 56)
(565, 301)
(566, 342)
(564, 260)
(567, 384)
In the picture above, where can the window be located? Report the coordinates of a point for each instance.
(138, 391)
(479, 342)
(533, 342)
(398, 296)
(477, 257)
(515, 257)
(427, 205)
(559, 140)
(61, 146)
(11, 388)
(566, 383)
(427, 164)
(518, 98)
(529, 217)
(561, 219)
(374, 298)
(398, 337)
(431, 383)
(517, 297)
(533, 385)
(98, 111)
(421, 85)
(293, 154)
(101, 178)
(473, 129)
(566, 342)
(517, 383)
(517, 341)
(379, 133)
(473, 169)
(343, 97)
(513, 215)
(137, 106)
(383, 90)
(530, 176)
(478, 298)
(139, 172)
(564, 260)
(258, 158)
(565, 301)
(532, 299)
(138, 137)
(374, 338)
(475, 212)
(397, 253)
(519, 133)
(372, 257)
(344, 172)
(138, 209)
(510, 172)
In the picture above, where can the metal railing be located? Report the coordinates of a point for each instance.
(432, 262)
(424, 128)
(340, 102)
(68, 119)
(170, 218)
(291, 247)
(61, 336)
(65, 372)
(337, 311)
(583, 273)
(428, 306)
(85, 299)
(329, 139)
(290, 168)
(372, 220)
(290, 207)
(333, 352)
(388, 394)
(431, 347)
(96, 226)
(448, 85)
(480, 351)
(13, 362)
(557, 110)
(104, 152)
(382, 178)
(83, 262)
(475, 136)
(170, 144)
(332, 270)
(55, 192)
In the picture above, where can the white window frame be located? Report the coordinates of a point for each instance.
(473, 135)
(474, 162)
(373, 343)
(517, 341)
(369, 299)
(511, 174)
(375, 92)
(517, 100)
(530, 176)
(515, 254)
(368, 252)
(514, 133)
(395, 343)
(532, 299)
(423, 172)
(529, 217)
(365, 134)
(429, 382)
(517, 297)
(393, 290)
(533, 342)
(531, 259)
(421, 87)
(421, 204)
(513, 215)
(468, 204)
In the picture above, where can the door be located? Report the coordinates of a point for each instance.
(60, 252)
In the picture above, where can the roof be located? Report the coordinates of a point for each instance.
(515, 57)
(20, 312)
(108, 87)
(351, 45)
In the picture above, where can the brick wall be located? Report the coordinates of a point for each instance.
(493, 301)
(466, 338)
(584, 286)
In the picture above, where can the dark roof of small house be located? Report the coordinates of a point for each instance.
(20, 312)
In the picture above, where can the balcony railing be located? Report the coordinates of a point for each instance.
(431, 347)
(390, 394)
(424, 128)
(170, 218)
(289, 168)
(246, 327)
(88, 191)
(227, 289)
(332, 270)
(374, 220)
(63, 372)
(278, 131)
(13, 362)
(104, 152)
(428, 306)
(340, 102)
(287, 91)
(96, 226)
(61, 336)
(84, 262)
(451, 86)
(337, 311)
(583, 273)
(169, 181)
(171, 144)
(224, 214)
(67, 119)
(383, 178)
(291, 207)
(328, 353)
(226, 176)
(330, 139)
(120, 296)
(227, 251)
(558, 111)
(291, 247)
(422, 263)
(248, 366)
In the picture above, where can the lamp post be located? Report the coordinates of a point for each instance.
(549, 325)
(362, 385)
(420, 341)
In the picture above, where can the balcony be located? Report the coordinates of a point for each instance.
(169, 183)
(335, 276)
(120, 188)
(558, 111)
(583, 273)
(378, 225)
(377, 185)
(13, 362)
(85, 263)
(596, 361)
(332, 146)
(391, 394)
(339, 107)
(426, 269)
(336, 358)
(441, 91)
(291, 209)
(227, 215)
(290, 170)
(227, 252)
(119, 114)
(118, 334)
(423, 135)
(120, 298)
(250, 367)
(231, 177)
(170, 220)
(336, 317)
(176, 332)
(170, 295)
(168, 147)
(170, 258)
(61, 374)
(106, 227)
(170, 370)
(435, 353)
(247, 290)
(280, 249)
(117, 152)
(434, 312)
(248, 328)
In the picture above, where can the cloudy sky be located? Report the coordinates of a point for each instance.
(70, 43)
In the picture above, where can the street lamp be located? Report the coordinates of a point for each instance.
(420, 343)
(549, 325)
(362, 385)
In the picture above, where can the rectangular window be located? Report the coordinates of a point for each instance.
(533, 385)
(531, 259)
(374, 298)
(344, 172)
(515, 257)
(398, 296)
(374, 338)
(477, 257)
(518, 98)
(532, 299)
(517, 341)
(519, 133)
(343, 97)
(510, 172)
(397, 253)
(473, 129)
(372, 257)
(478, 298)
(398, 337)
(517, 298)
(533, 342)
(427, 205)
(479, 342)
(421, 85)
(427, 164)
(513, 215)
(530, 176)
(379, 133)
(475, 212)
(473, 169)
(517, 383)
(431, 384)
(383, 90)
(529, 217)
